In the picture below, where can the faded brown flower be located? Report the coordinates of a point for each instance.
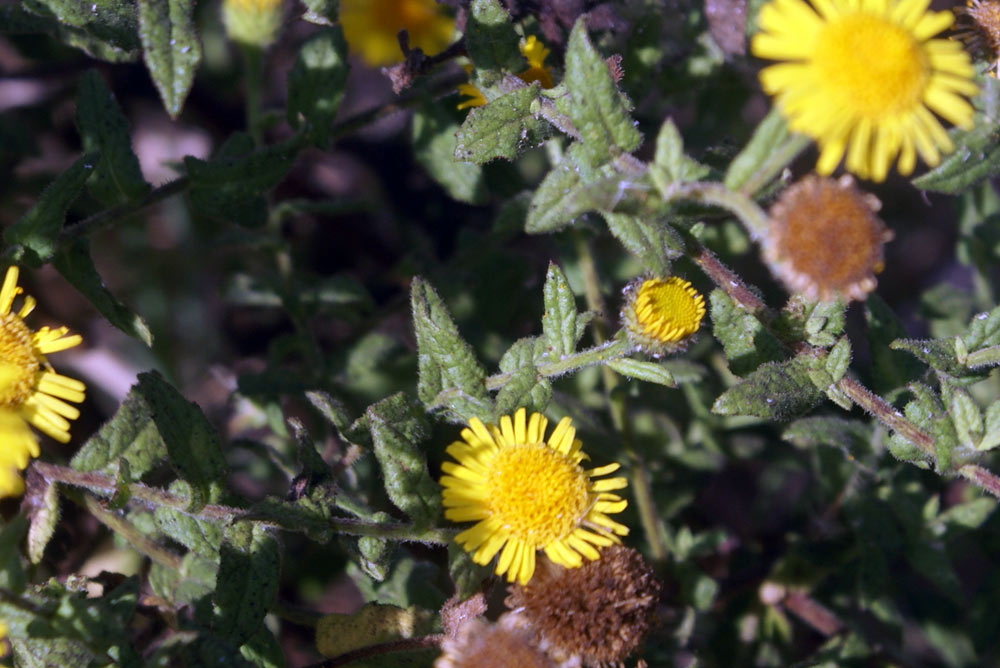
(825, 241)
(598, 613)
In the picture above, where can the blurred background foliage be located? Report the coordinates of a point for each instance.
(273, 285)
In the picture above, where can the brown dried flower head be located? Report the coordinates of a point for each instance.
(479, 644)
(595, 615)
(979, 27)
(825, 241)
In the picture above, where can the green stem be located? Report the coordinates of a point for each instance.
(776, 161)
(108, 217)
(253, 59)
(618, 407)
(106, 486)
(985, 357)
(716, 194)
(612, 350)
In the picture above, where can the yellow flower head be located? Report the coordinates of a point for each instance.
(662, 314)
(3, 636)
(254, 22)
(528, 494)
(862, 77)
(30, 391)
(825, 240)
(371, 26)
(535, 53)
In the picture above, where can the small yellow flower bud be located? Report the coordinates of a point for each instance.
(252, 22)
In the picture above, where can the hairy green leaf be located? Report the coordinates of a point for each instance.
(43, 515)
(321, 12)
(434, 128)
(779, 390)
(73, 261)
(398, 427)
(490, 37)
(651, 372)
(103, 129)
(559, 319)
(655, 243)
(247, 581)
(976, 157)
(670, 156)
(38, 230)
(747, 343)
(502, 128)
(597, 108)
(170, 48)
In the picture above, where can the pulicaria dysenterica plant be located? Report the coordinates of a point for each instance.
(488, 333)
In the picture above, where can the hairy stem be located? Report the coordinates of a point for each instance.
(152, 496)
(109, 217)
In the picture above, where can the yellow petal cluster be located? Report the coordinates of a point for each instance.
(371, 28)
(526, 493)
(31, 392)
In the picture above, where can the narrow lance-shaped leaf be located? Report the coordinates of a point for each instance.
(73, 261)
(170, 48)
(559, 319)
(38, 230)
(595, 105)
(976, 157)
(43, 514)
(104, 129)
(398, 427)
(651, 372)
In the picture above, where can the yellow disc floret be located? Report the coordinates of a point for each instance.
(526, 493)
(865, 78)
(662, 314)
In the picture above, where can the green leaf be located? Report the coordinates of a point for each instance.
(262, 650)
(936, 353)
(651, 372)
(779, 390)
(655, 243)
(321, 12)
(38, 229)
(170, 48)
(434, 142)
(850, 436)
(467, 575)
(559, 318)
(770, 150)
(131, 434)
(490, 38)
(747, 343)
(73, 261)
(203, 537)
(375, 623)
(12, 576)
(316, 83)
(104, 130)
(966, 417)
(192, 444)
(597, 108)
(447, 364)
(838, 359)
(330, 408)
(106, 29)
(991, 426)
(502, 128)
(670, 156)
(524, 389)
(43, 513)
(976, 157)
(231, 186)
(398, 427)
(247, 581)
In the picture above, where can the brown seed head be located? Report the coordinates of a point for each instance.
(599, 612)
(978, 25)
(824, 240)
(479, 644)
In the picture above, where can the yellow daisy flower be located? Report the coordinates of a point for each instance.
(662, 314)
(528, 494)
(371, 26)
(535, 53)
(30, 391)
(863, 77)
